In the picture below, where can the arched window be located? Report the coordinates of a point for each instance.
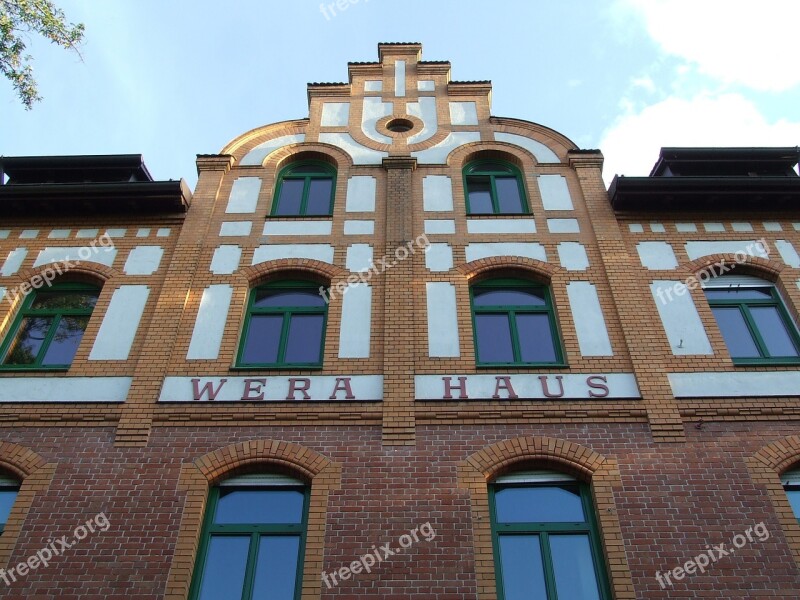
(791, 485)
(514, 323)
(494, 188)
(9, 488)
(546, 543)
(284, 326)
(305, 189)
(49, 327)
(753, 320)
(253, 539)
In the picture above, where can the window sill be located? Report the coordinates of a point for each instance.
(22, 369)
(766, 362)
(521, 366)
(246, 368)
(299, 217)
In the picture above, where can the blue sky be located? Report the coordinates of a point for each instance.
(170, 79)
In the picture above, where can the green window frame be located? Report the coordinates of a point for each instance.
(9, 489)
(41, 319)
(310, 307)
(791, 485)
(246, 552)
(491, 182)
(544, 539)
(302, 189)
(753, 319)
(550, 343)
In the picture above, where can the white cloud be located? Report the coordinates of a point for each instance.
(735, 41)
(631, 145)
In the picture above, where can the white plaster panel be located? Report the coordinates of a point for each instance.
(143, 260)
(4, 233)
(714, 227)
(463, 113)
(425, 110)
(788, 253)
(796, 226)
(426, 85)
(244, 195)
(305, 227)
(163, 232)
(437, 155)
(572, 256)
(232, 389)
(747, 384)
(120, 323)
(64, 389)
(696, 250)
(356, 324)
(143, 232)
(445, 226)
(87, 233)
(2, 292)
(443, 340)
(321, 252)
(399, 78)
(375, 85)
(59, 234)
(657, 228)
(682, 323)
(360, 154)
(555, 192)
(359, 227)
(360, 194)
(657, 255)
(686, 227)
(772, 226)
(439, 257)
(437, 193)
(209, 326)
(527, 387)
(542, 153)
(563, 226)
(501, 226)
(375, 109)
(29, 234)
(742, 227)
(235, 228)
(335, 114)
(99, 254)
(13, 261)
(359, 257)
(533, 250)
(590, 324)
(226, 259)
(116, 232)
(257, 155)
(636, 228)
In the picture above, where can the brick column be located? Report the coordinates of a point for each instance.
(137, 412)
(632, 301)
(398, 312)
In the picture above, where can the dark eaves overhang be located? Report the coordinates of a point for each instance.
(137, 197)
(704, 193)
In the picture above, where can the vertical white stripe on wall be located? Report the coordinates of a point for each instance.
(354, 336)
(590, 324)
(443, 338)
(680, 318)
(399, 78)
(120, 323)
(210, 324)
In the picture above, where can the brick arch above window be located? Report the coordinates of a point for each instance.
(714, 265)
(504, 266)
(304, 268)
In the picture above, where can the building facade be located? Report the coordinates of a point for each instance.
(401, 348)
